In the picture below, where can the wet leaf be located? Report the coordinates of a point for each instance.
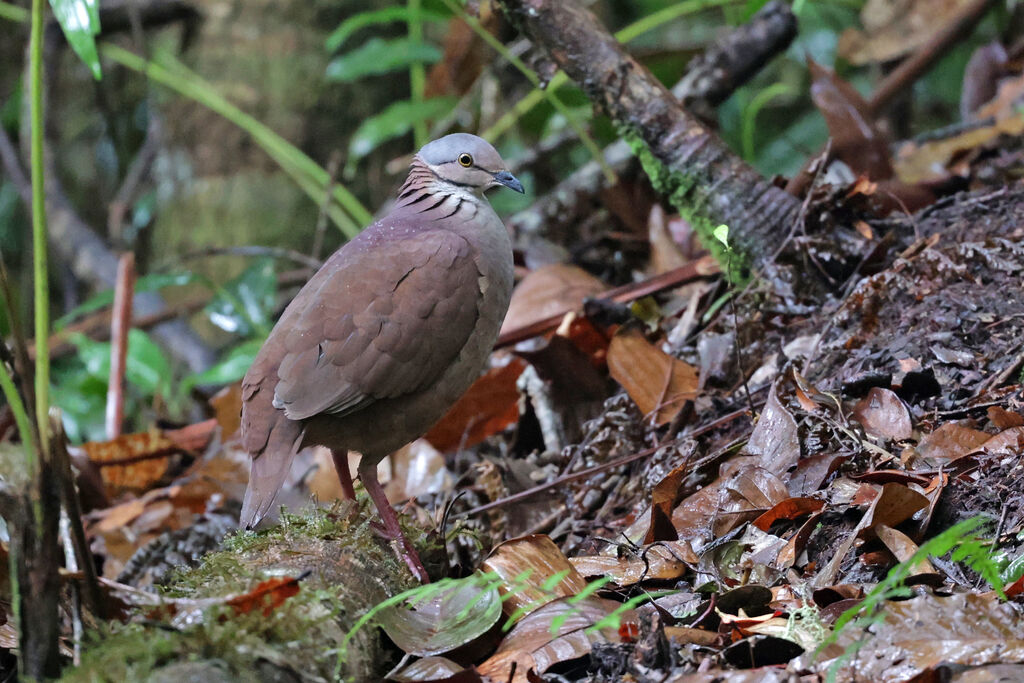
(658, 383)
(442, 620)
(231, 368)
(435, 670)
(775, 439)
(560, 631)
(534, 571)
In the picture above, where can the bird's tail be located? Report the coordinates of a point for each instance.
(269, 468)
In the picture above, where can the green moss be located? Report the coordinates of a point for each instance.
(352, 569)
(677, 187)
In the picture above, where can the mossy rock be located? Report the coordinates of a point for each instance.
(349, 569)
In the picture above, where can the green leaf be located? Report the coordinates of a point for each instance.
(146, 366)
(230, 369)
(375, 18)
(244, 306)
(80, 21)
(379, 56)
(146, 283)
(398, 119)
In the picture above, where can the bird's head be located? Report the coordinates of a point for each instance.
(467, 161)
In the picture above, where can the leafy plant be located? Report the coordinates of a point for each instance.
(379, 56)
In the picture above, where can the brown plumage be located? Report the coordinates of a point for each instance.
(390, 331)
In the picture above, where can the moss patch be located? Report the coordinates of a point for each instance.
(350, 569)
(677, 186)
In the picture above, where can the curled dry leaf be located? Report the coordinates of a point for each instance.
(531, 645)
(659, 562)
(548, 291)
(902, 548)
(131, 462)
(856, 140)
(528, 567)
(895, 504)
(490, 405)
(658, 383)
(790, 509)
(883, 415)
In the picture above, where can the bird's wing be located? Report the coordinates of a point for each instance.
(384, 325)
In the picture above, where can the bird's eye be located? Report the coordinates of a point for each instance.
(465, 160)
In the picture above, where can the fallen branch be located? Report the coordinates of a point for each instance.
(119, 326)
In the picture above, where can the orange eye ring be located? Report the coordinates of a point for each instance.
(465, 160)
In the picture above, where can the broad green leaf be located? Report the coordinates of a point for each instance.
(80, 21)
(398, 119)
(245, 305)
(146, 283)
(379, 56)
(386, 15)
(230, 369)
(82, 398)
(146, 366)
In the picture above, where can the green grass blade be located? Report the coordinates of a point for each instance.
(349, 214)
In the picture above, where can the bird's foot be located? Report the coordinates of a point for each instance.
(391, 529)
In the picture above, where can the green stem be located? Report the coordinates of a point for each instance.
(39, 265)
(547, 93)
(417, 73)
(624, 35)
(310, 176)
(21, 418)
(13, 12)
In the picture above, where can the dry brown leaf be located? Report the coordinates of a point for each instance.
(790, 508)
(902, 548)
(893, 28)
(658, 562)
(530, 645)
(525, 564)
(490, 405)
(895, 504)
(1004, 419)
(658, 383)
(950, 441)
(266, 596)
(554, 289)
(884, 415)
(227, 409)
(131, 462)
(775, 439)
(856, 140)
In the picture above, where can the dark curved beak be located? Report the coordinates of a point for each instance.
(508, 180)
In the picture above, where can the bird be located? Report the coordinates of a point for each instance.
(389, 332)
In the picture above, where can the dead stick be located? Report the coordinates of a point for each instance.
(120, 323)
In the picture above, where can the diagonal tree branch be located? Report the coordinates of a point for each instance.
(705, 180)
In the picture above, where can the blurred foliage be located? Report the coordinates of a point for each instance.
(372, 49)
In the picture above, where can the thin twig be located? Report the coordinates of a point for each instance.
(120, 324)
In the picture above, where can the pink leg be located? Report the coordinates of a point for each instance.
(340, 457)
(368, 474)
